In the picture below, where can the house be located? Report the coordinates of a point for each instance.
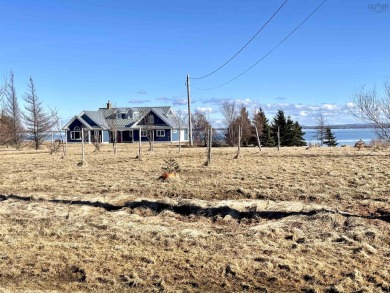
(129, 124)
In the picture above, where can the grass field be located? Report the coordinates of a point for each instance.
(294, 220)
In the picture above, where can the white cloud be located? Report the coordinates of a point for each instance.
(205, 110)
(329, 106)
(303, 113)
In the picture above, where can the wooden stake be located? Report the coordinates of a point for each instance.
(209, 146)
(239, 142)
(139, 144)
(257, 136)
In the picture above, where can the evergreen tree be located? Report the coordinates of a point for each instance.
(280, 122)
(329, 137)
(291, 133)
(264, 129)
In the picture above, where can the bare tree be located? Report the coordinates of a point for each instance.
(38, 122)
(12, 110)
(321, 128)
(229, 112)
(97, 142)
(180, 119)
(200, 128)
(56, 129)
(368, 107)
(4, 119)
(112, 125)
(148, 127)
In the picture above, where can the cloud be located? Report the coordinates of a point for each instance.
(176, 101)
(308, 115)
(214, 101)
(328, 106)
(142, 92)
(139, 101)
(205, 110)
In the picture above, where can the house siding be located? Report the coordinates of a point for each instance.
(175, 134)
(106, 136)
(157, 120)
(72, 127)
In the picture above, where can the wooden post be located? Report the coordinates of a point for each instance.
(179, 137)
(257, 136)
(152, 139)
(209, 146)
(82, 145)
(139, 144)
(278, 138)
(189, 111)
(239, 142)
(66, 142)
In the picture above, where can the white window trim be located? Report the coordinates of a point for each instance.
(144, 133)
(72, 135)
(159, 131)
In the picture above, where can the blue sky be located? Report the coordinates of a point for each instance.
(138, 53)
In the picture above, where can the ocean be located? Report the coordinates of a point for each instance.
(345, 136)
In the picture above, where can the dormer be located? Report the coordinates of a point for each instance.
(132, 114)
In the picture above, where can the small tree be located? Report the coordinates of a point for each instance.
(263, 127)
(229, 112)
(113, 130)
(321, 129)
(329, 138)
(200, 126)
(368, 107)
(245, 125)
(13, 112)
(148, 127)
(38, 122)
(57, 130)
(180, 120)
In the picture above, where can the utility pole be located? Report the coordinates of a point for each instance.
(189, 111)
(278, 138)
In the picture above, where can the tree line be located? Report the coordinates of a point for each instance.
(31, 123)
(289, 132)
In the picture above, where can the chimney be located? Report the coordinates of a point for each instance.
(108, 105)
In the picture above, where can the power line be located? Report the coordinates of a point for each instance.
(244, 45)
(274, 48)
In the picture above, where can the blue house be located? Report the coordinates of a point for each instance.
(127, 125)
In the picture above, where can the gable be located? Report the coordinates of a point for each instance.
(76, 123)
(156, 120)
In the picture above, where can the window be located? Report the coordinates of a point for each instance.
(174, 131)
(160, 133)
(143, 133)
(123, 115)
(150, 119)
(76, 134)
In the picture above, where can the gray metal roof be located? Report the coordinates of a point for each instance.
(103, 116)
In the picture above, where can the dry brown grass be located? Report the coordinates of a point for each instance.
(297, 220)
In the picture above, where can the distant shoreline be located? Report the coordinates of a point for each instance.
(344, 126)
